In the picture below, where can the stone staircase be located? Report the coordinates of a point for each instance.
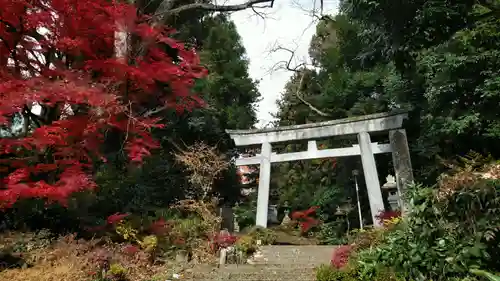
(272, 263)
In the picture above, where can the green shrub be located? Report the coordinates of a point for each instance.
(446, 233)
(117, 272)
(328, 273)
(245, 213)
(265, 235)
(351, 273)
(332, 233)
(246, 244)
(490, 276)
(366, 238)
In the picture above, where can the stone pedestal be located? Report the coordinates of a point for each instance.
(286, 219)
(392, 193)
(272, 214)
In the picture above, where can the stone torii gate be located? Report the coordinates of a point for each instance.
(361, 126)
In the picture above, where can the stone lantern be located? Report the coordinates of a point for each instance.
(391, 188)
(286, 219)
(345, 208)
(343, 211)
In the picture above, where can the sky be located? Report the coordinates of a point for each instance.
(288, 24)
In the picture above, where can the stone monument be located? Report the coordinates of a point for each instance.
(392, 192)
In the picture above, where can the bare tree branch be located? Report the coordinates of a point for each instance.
(312, 107)
(299, 69)
(258, 13)
(310, 11)
(165, 9)
(286, 64)
(313, 12)
(154, 111)
(204, 164)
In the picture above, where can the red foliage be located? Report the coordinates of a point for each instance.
(297, 215)
(341, 256)
(384, 216)
(334, 163)
(130, 250)
(159, 227)
(116, 218)
(58, 55)
(305, 219)
(93, 229)
(222, 240)
(101, 257)
(179, 242)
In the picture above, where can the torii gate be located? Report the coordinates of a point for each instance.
(362, 126)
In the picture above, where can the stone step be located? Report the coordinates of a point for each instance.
(285, 248)
(254, 273)
(299, 250)
(273, 276)
(314, 255)
(275, 263)
(264, 267)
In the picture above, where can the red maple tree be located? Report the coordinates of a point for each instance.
(305, 219)
(59, 56)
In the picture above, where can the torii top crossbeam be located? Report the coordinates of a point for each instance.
(346, 126)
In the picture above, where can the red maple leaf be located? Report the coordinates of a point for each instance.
(130, 249)
(115, 218)
(60, 74)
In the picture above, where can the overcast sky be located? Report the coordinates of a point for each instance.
(288, 24)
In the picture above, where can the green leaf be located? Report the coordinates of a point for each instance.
(476, 251)
(485, 274)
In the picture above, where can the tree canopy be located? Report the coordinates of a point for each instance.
(436, 59)
(97, 95)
